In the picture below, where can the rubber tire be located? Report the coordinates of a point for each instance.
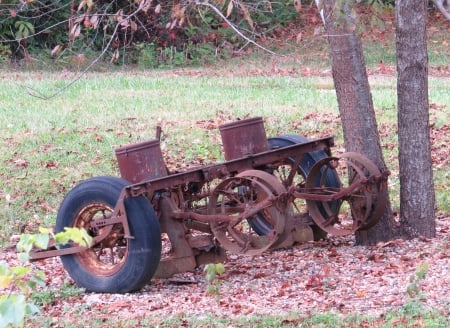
(144, 250)
(308, 161)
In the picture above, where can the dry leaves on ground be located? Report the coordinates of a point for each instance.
(329, 275)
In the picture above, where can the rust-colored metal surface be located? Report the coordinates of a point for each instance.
(243, 138)
(239, 200)
(141, 161)
(365, 194)
(258, 199)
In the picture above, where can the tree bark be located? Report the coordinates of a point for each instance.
(417, 197)
(355, 102)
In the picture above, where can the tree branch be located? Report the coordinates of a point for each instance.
(35, 93)
(233, 27)
(440, 5)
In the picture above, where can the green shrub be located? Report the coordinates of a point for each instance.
(21, 283)
(176, 33)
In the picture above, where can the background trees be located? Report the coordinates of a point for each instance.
(417, 197)
(129, 31)
(149, 32)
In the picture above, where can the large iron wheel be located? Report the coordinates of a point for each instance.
(303, 169)
(361, 208)
(118, 263)
(235, 202)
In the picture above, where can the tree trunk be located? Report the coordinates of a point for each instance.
(417, 197)
(355, 102)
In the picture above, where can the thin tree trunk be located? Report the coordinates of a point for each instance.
(355, 102)
(417, 197)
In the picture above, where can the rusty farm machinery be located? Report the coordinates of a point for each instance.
(268, 193)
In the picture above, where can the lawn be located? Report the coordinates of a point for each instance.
(49, 145)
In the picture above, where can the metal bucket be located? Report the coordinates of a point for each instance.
(243, 138)
(141, 161)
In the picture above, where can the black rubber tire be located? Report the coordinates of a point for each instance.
(143, 250)
(308, 161)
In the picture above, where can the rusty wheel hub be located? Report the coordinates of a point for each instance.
(365, 194)
(241, 199)
(108, 256)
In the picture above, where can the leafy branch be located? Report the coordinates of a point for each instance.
(21, 282)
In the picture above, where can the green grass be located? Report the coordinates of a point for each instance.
(394, 318)
(48, 296)
(384, 52)
(49, 145)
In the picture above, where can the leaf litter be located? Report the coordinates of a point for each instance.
(315, 277)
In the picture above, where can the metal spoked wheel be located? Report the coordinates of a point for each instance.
(108, 257)
(236, 201)
(116, 263)
(289, 175)
(361, 208)
(258, 222)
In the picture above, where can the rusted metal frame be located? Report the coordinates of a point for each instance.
(43, 254)
(225, 218)
(107, 221)
(219, 171)
(314, 193)
(209, 173)
(280, 154)
(182, 256)
(197, 225)
(36, 255)
(149, 187)
(204, 174)
(294, 169)
(117, 217)
(120, 215)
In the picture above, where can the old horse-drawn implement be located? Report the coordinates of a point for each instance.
(269, 193)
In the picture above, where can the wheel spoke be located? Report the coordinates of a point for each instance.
(112, 255)
(360, 204)
(302, 166)
(243, 194)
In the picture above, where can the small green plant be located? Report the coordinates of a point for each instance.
(414, 291)
(200, 53)
(413, 288)
(42, 239)
(170, 57)
(20, 284)
(211, 272)
(146, 54)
